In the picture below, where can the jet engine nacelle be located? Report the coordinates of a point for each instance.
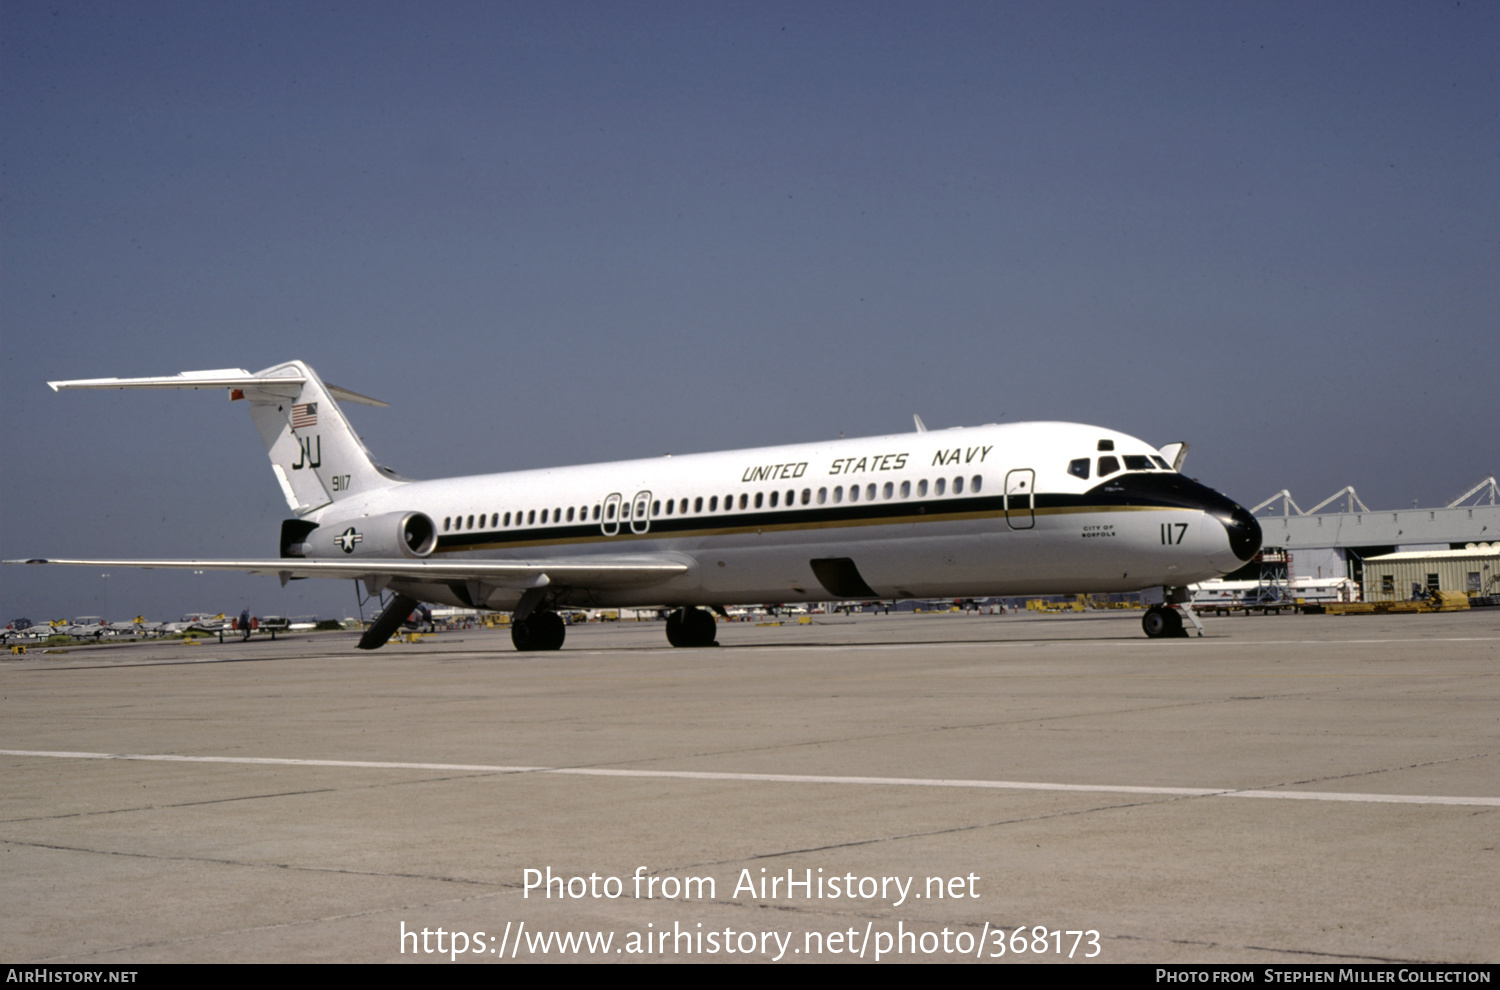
(394, 534)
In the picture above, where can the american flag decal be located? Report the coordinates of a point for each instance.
(304, 414)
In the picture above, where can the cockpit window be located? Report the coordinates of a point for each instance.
(1108, 466)
(1106, 445)
(1137, 462)
(1079, 468)
(1161, 463)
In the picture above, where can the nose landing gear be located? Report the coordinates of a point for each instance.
(1162, 622)
(1165, 622)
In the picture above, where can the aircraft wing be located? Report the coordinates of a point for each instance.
(599, 571)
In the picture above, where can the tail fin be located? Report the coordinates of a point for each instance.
(316, 455)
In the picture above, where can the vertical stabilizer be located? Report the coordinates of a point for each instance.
(316, 455)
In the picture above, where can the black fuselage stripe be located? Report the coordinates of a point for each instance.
(809, 517)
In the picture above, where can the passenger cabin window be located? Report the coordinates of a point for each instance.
(744, 500)
(838, 494)
(822, 496)
(775, 497)
(596, 512)
(906, 489)
(870, 492)
(759, 498)
(958, 486)
(471, 522)
(570, 513)
(806, 496)
(531, 518)
(1108, 466)
(854, 493)
(656, 508)
(939, 486)
(670, 506)
(683, 508)
(713, 504)
(507, 519)
(698, 504)
(1079, 468)
(1137, 462)
(609, 511)
(922, 488)
(446, 520)
(975, 483)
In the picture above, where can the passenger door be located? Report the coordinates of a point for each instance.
(1020, 499)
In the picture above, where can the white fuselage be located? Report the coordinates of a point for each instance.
(968, 512)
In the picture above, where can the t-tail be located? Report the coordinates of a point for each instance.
(315, 454)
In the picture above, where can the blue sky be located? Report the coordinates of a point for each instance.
(559, 233)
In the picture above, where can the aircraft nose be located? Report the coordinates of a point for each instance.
(1241, 530)
(1244, 532)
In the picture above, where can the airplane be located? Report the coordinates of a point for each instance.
(195, 622)
(137, 626)
(967, 512)
(87, 626)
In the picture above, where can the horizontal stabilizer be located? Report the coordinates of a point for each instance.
(236, 378)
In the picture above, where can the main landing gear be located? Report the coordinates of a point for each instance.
(691, 627)
(538, 631)
(543, 630)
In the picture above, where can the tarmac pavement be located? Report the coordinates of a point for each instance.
(1287, 789)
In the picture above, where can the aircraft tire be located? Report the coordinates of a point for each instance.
(520, 636)
(539, 631)
(1174, 624)
(1157, 622)
(552, 628)
(690, 627)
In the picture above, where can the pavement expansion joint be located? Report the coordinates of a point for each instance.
(1367, 773)
(219, 861)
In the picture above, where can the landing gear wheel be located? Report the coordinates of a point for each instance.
(1161, 622)
(538, 631)
(691, 627)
